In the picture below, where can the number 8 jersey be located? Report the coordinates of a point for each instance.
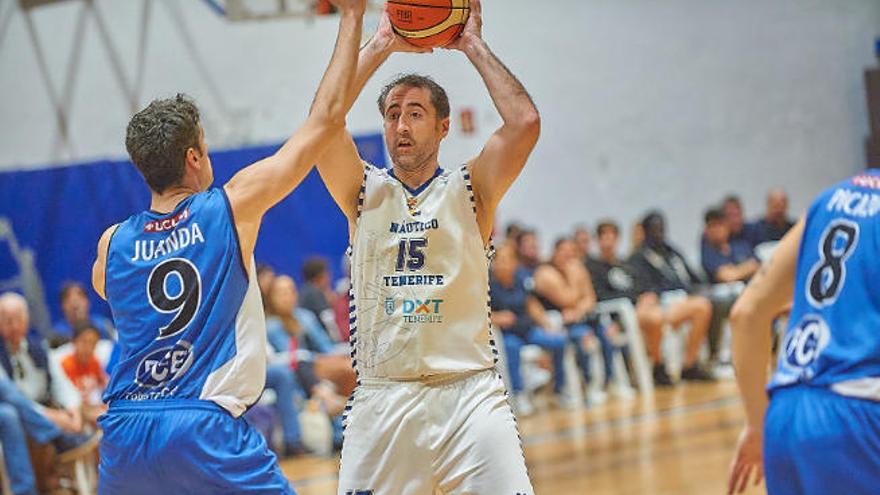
(189, 317)
(833, 335)
(419, 303)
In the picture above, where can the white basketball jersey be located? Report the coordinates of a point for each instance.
(419, 302)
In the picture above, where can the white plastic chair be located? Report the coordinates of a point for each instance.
(625, 310)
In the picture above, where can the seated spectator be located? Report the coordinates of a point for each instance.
(40, 397)
(522, 321)
(733, 214)
(611, 277)
(511, 234)
(22, 419)
(528, 251)
(582, 242)
(265, 276)
(775, 223)
(636, 238)
(563, 285)
(76, 308)
(341, 309)
(725, 260)
(24, 357)
(317, 295)
(85, 372)
(659, 268)
(296, 331)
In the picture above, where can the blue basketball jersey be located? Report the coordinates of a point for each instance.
(833, 335)
(189, 317)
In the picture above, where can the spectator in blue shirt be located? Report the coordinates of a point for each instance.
(76, 308)
(724, 259)
(775, 223)
(522, 321)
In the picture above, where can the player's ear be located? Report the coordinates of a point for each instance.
(444, 127)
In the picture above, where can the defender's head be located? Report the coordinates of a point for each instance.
(415, 110)
(166, 143)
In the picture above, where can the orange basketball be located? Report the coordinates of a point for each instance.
(428, 23)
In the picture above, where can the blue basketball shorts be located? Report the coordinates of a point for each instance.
(817, 442)
(183, 447)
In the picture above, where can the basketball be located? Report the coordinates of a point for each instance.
(428, 23)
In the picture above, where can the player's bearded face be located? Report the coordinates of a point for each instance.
(412, 130)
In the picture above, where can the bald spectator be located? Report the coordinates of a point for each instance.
(776, 222)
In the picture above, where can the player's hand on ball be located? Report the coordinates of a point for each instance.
(748, 459)
(356, 6)
(388, 40)
(473, 29)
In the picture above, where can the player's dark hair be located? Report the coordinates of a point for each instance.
(438, 94)
(714, 215)
(69, 287)
(158, 137)
(607, 225)
(313, 268)
(83, 327)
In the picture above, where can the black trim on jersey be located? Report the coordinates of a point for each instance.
(106, 261)
(235, 231)
(421, 188)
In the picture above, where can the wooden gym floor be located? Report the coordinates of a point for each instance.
(678, 443)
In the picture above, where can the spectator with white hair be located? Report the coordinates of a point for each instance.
(24, 358)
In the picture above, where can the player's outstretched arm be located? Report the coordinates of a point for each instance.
(340, 166)
(750, 321)
(260, 186)
(505, 154)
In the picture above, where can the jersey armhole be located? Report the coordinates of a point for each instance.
(489, 246)
(235, 233)
(107, 258)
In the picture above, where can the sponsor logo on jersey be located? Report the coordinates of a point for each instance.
(167, 223)
(422, 311)
(165, 365)
(410, 227)
(390, 306)
(869, 181)
(804, 343)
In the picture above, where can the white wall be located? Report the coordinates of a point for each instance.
(645, 104)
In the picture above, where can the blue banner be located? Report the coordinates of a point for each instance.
(51, 219)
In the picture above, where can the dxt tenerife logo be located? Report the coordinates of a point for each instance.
(805, 342)
(416, 310)
(165, 365)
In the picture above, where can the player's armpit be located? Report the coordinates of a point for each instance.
(100, 264)
(342, 171)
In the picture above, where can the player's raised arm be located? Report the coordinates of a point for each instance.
(505, 154)
(751, 319)
(340, 166)
(258, 187)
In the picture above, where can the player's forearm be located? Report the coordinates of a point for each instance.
(371, 56)
(332, 100)
(509, 95)
(751, 356)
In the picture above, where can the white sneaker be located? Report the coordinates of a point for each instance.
(596, 397)
(623, 392)
(565, 401)
(522, 405)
